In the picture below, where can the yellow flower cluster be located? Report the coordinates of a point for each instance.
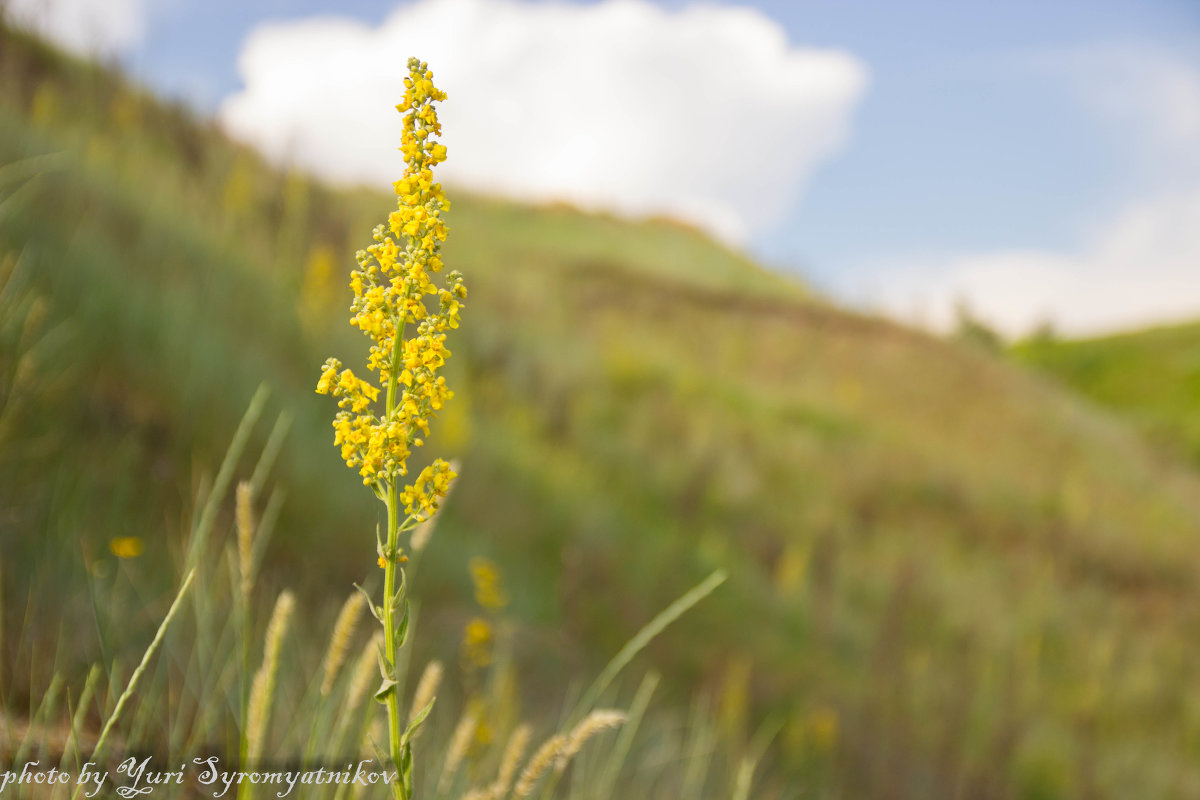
(398, 305)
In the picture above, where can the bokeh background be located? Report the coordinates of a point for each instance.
(887, 309)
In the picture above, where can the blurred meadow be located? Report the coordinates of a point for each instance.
(957, 567)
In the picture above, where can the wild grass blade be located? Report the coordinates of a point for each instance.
(38, 721)
(699, 747)
(270, 452)
(131, 687)
(608, 779)
(643, 638)
(208, 515)
(79, 714)
(266, 526)
(749, 763)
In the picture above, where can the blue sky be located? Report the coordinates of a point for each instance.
(983, 149)
(962, 143)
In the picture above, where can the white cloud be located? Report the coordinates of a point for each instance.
(87, 27)
(1139, 267)
(707, 114)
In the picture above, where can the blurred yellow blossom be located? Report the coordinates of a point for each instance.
(823, 728)
(125, 546)
(489, 592)
(477, 643)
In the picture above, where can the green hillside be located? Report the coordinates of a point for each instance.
(949, 577)
(1151, 378)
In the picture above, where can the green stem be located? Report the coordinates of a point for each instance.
(389, 636)
(390, 645)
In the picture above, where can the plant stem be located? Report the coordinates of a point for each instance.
(389, 637)
(390, 645)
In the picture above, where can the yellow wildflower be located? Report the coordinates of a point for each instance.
(125, 546)
(405, 314)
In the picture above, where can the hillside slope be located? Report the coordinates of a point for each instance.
(949, 577)
(1150, 377)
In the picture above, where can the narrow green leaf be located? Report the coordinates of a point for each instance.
(375, 610)
(402, 626)
(406, 768)
(416, 721)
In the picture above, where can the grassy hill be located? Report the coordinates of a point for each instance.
(1150, 377)
(949, 577)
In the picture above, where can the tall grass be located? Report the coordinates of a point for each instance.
(302, 711)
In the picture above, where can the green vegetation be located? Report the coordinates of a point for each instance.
(1151, 378)
(947, 577)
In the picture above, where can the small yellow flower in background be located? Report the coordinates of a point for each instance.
(125, 546)
(483, 729)
(488, 591)
(477, 643)
(823, 728)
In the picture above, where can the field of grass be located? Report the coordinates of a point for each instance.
(1151, 378)
(949, 577)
